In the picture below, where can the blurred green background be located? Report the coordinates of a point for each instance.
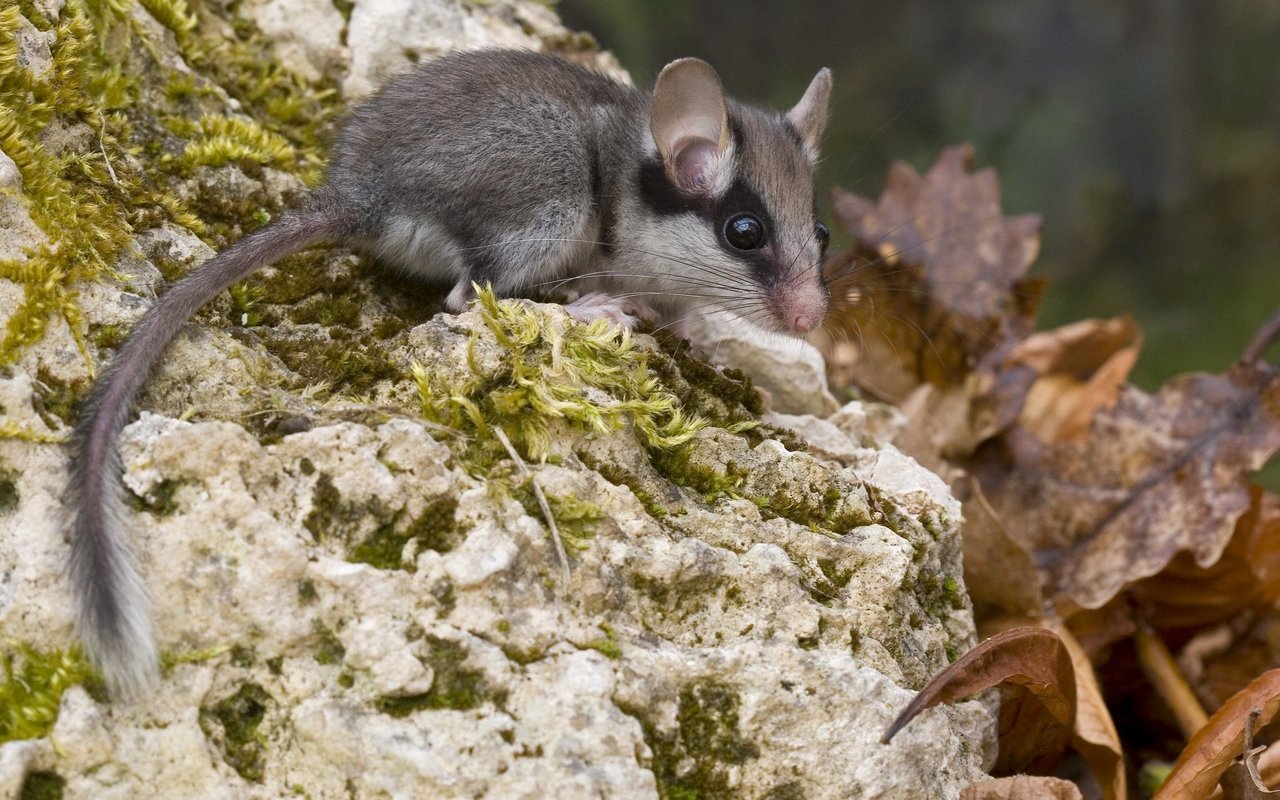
(1147, 132)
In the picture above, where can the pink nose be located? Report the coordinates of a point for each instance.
(803, 323)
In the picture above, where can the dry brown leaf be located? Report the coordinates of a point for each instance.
(1094, 734)
(1186, 595)
(1033, 670)
(1222, 660)
(1080, 367)
(936, 283)
(1097, 629)
(998, 571)
(1022, 787)
(1095, 737)
(1211, 751)
(1157, 474)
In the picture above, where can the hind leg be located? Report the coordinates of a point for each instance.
(461, 296)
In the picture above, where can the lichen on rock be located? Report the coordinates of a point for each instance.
(355, 587)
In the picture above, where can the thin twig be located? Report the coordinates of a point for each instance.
(542, 502)
(106, 159)
(1163, 673)
(1263, 339)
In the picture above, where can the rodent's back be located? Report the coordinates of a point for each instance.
(480, 138)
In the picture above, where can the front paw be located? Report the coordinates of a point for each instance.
(598, 305)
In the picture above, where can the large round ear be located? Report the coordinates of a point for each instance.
(690, 123)
(809, 116)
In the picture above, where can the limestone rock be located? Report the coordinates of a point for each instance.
(356, 590)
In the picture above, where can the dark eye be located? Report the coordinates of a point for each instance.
(744, 231)
(823, 235)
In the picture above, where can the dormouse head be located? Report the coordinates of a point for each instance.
(736, 184)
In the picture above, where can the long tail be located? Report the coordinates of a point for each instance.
(113, 614)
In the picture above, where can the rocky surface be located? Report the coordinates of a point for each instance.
(356, 589)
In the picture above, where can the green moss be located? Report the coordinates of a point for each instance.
(243, 656)
(346, 680)
(692, 761)
(109, 86)
(575, 519)
(106, 336)
(43, 786)
(837, 575)
(787, 790)
(173, 14)
(217, 140)
(589, 376)
(307, 591)
(8, 491)
(245, 300)
(435, 529)
(328, 649)
(621, 476)
(725, 396)
(235, 724)
(454, 686)
(684, 467)
(335, 358)
(606, 645)
(160, 501)
(331, 515)
(31, 689)
(57, 400)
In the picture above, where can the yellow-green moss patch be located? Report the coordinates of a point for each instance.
(592, 377)
(234, 723)
(31, 689)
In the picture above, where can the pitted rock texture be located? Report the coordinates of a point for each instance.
(353, 601)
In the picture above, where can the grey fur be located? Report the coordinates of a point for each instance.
(494, 166)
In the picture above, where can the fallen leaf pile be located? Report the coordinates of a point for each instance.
(1109, 532)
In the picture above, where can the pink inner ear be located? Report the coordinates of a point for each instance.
(694, 162)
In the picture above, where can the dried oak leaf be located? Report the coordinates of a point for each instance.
(1187, 595)
(1211, 751)
(1079, 368)
(1094, 734)
(1221, 660)
(1157, 474)
(934, 293)
(1033, 670)
(937, 274)
(1022, 787)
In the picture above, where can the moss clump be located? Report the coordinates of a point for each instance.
(621, 476)
(245, 301)
(332, 516)
(606, 645)
(328, 649)
(683, 466)
(575, 519)
(235, 724)
(160, 501)
(31, 689)
(43, 786)
(99, 135)
(8, 491)
(307, 593)
(591, 376)
(454, 686)
(217, 140)
(56, 400)
(788, 790)
(435, 529)
(692, 761)
(106, 336)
